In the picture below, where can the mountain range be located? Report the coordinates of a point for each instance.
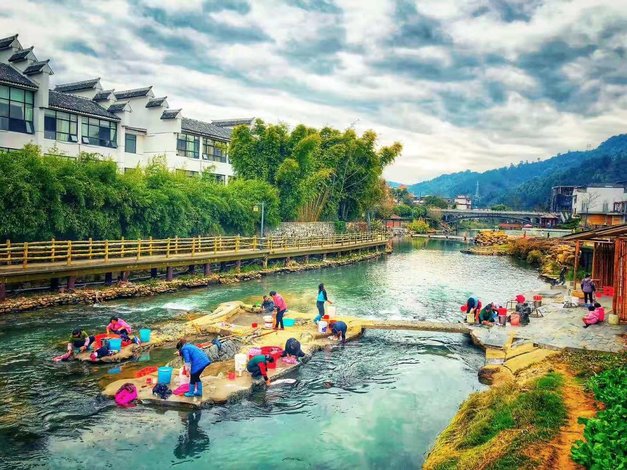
(527, 185)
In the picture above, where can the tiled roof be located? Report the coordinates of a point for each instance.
(12, 77)
(155, 102)
(135, 93)
(233, 122)
(205, 128)
(20, 55)
(77, 86)
(170, 113)
(36, 67)
(76, 104)
(118, 107)
(6, 42)
(102, 95)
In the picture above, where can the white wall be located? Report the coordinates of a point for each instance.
(596, 200)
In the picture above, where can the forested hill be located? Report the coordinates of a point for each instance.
(527, 185)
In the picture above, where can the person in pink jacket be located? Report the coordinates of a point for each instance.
(117, 326)
(600, 311)
(592, 317)
(281, 308)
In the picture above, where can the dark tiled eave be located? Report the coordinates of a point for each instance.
(10, 76)
(155, 102)
(206, 129)
(77, 86)
(5, 43)
(36, 67)
(170, 113)
(77, 105)
(20, 55)
(135, 93)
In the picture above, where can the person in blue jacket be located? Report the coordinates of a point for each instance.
(338, 329)
(195, 360)
(320, 301)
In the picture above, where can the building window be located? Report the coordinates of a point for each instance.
(220, 178)
(214, 151)
(16, 110)
(99, 132)
(130, 143)
(188, 145)
(60, 126)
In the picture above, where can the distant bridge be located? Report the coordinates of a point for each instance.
(543, 219)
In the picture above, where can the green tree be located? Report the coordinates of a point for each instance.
(435, 201)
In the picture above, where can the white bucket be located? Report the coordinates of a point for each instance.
(268, 322)
(330, 310)
(322, 326)
(575, 300)
(240, 362)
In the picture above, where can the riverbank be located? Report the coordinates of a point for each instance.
(547, 254)
(151, 287)
(527, 420)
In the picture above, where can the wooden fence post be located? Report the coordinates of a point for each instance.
(106, 251)
(91, 247)
(176, 245)
(139, 249)
(52, 250)
(237, 244)
(69, 252)
(122, 248)
(8, 251)
(25, 255)
(167, 249)
(150, 246)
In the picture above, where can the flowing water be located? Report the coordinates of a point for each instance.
(378, 402)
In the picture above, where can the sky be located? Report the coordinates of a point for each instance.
(462, 84)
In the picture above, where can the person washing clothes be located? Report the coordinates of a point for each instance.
(292, 348)
(487, 315)
(592, 317)
(80, 340)
(267, 306)
(258, 367)
(281, 308)
(588, 288)
(117, 326)
(473, 305)
(322, 298)
(195, 360)
(338, 330)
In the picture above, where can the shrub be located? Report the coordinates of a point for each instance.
(605, 445)
(534, 257)
(418, 226)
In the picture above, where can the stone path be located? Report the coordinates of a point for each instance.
(559, 328)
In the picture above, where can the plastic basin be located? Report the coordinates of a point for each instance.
(289, 322)
(115, 344)
(144, 335)
(164, 375)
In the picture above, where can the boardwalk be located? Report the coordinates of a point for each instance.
(55, 259)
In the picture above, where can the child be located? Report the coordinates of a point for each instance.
(591, 318)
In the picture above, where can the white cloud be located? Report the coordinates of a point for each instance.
(477, 108)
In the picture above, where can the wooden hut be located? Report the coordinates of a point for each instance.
(609, 262)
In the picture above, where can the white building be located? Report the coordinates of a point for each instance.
(597, 199)
(130, 127)
(463, 203)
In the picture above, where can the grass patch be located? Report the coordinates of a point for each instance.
(496, 427)
(590, 363)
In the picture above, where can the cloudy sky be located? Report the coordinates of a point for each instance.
(462, 84)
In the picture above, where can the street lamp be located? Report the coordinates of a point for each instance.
(263, 210)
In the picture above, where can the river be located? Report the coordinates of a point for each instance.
(378, 402)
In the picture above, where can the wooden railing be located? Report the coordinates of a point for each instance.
(104, 251)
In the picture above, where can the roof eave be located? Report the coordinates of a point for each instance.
(19, 85)
(83, 113)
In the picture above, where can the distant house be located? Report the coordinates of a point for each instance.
(463, 203)
(562, 199)
(600, 205)
(396, 221)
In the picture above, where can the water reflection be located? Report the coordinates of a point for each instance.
(193, 441)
